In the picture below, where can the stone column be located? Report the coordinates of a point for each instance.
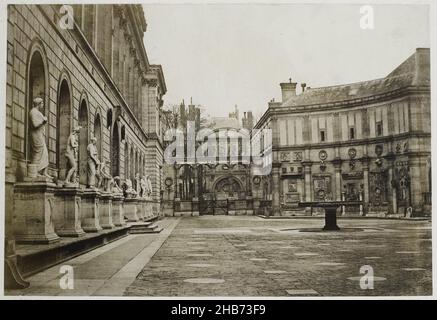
(418, 181)
(195, 202)
(106, 210)
(337, 168)
(34, 205)
(275, 189)
(117, 210)
(307, 183)
(90, 210)
(365, 163)
(307, 180)
(391, 187)
(67, 217)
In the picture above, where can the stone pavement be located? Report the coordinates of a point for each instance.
(105, 271)
(251, 256)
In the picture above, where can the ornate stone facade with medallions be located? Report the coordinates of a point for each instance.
(367, 141)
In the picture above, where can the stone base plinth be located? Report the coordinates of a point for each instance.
(118, 210)
(130, 209)
(168, 208)
(141, 209)
(105, 214)
(90, 210)
(67, 216)
(34, 205)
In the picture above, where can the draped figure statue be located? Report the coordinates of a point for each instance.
(39, 156)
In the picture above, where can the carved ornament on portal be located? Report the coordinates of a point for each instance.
(285, 156)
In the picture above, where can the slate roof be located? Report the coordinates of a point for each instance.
(412, 72)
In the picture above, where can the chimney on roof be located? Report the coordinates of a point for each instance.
(288, 90)
(303, 85)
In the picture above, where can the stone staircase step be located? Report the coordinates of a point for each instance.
(145, 227)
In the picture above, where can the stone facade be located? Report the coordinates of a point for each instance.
(368, 141)
(217, 186)
(95, 75)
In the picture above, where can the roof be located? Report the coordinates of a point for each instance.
(412, 72)
(224, 123)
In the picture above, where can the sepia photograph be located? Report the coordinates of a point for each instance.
(217, 149)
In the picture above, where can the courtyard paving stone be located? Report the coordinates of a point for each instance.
(260, 257)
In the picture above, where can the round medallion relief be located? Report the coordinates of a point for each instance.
(323, 155)
(352, 153)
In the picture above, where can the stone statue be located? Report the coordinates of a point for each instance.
(71, 155)
(39, 156)
(138, 183)
(116, 185)
(149, 184)
(93, 163)
(129, 191)
(143, 184)
(105, 179)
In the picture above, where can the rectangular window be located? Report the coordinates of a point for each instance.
(352, 133)
(322, 135)
(379, 129)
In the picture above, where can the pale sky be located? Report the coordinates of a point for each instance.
(222, 55)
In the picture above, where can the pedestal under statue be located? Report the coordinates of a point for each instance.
(117, 203)
(34, 198)
(68, 214)
(130, 202)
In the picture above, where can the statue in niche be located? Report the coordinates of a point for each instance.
(71, 155)
(116, 185)
(129, 191)
(39, 155)
(143, 185)
(105, 179)
(149, 185)
(138, 183)
(93, 163)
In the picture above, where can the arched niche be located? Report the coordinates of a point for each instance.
(123, 133)
(83, 142)
(115, 151)
(126, 161)
(109, 118)
(36, 85)
(131, 164)
(63, 126)
(98, 135)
